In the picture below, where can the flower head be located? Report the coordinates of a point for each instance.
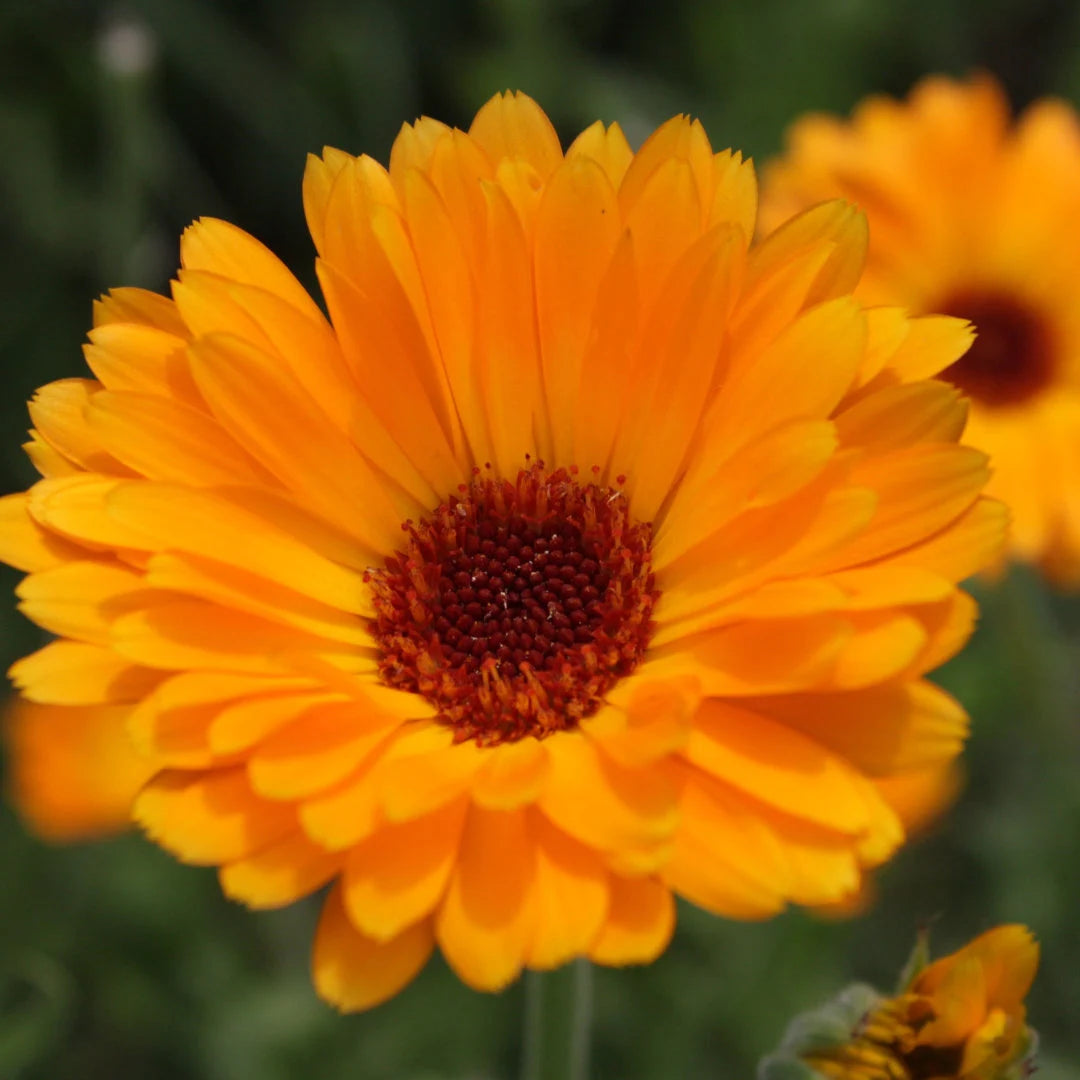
(959, 1018)
(969, 215)
(587, 553)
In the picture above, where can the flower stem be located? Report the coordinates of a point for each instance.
(558, 1018)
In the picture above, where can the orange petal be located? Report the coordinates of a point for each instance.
(271, 415)
(603, 804)
(80, 599)
(506, 326)
(210, 817)
(577, 230)
(776, 765)
(163, 439)
(648, 720)
(915, 724)
(221, 248)
(75, 673)
(512, 125)
(674, 368)
(327, 744)
(569, 897)
(142, 359)
(398, 875)
(57, 411)
(280, 874)
(184, 634)
(724, 857)
(219, 526)
(815, 360)
(607, 147)
(355, 972)
(639, 923)
(896, 417)
(680, 140)
(319, 176)
(24, 544)
(485, 923)
(140, 307)
(252, 593)
(834, 226)
(73, 771)
(511, 775)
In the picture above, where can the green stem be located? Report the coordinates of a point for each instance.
(558, 1018)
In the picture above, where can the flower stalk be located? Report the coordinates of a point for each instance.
(558, 1023)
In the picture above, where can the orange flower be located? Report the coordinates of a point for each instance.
(960, 1018)
(586, 554)
(969, 215)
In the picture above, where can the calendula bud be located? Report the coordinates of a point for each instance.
(959, 1018)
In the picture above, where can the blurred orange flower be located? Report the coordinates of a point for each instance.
(969, 215)
(960, 1018)
(586, 554)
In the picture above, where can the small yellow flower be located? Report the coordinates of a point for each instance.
(960, 1018)
(585, 554)
(971, 214)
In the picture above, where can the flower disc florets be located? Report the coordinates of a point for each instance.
(1013, 355)
(516, 605)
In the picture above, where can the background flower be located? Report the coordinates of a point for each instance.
(962, 1016)
(966, 216)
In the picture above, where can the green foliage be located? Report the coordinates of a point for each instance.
(122, 123)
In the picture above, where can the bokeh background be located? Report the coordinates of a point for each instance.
(119, 123)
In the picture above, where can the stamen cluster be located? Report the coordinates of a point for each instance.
(517, 604)
(884, 1046)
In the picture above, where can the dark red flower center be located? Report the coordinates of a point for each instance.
(516, 605)
(1012, 358)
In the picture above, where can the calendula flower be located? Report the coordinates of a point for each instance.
(969, 215)
(959, 1018)
(585, 554)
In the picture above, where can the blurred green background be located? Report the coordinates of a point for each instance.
(119, 123)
